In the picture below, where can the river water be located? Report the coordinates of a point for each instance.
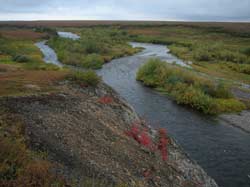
(49, 55)
(222, 150)
(68, 35)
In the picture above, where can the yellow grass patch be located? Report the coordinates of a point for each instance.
(15, 81)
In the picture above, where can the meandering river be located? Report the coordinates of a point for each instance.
(222, 150)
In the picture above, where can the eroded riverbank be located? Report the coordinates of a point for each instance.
(215, 146)
(187, 167)
(87, 138)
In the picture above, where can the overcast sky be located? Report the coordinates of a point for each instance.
(186, 10)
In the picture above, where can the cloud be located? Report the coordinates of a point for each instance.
(198, 10)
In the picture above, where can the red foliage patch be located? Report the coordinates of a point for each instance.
(144, 139)
(22, 34)
(141, 136)
(105, 100)
(162, 144)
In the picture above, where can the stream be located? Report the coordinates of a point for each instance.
(221, 149)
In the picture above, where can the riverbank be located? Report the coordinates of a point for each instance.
(188, 88)
(89, 140)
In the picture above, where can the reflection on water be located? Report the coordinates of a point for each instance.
(68, 35)
(158, 51)
(48, 53)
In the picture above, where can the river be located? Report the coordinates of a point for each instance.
(222, 150)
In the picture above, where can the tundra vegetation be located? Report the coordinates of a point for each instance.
(189, 88)
(216, 51)
(23, 69)
(95, 47)
(19, 166)
(23, 72)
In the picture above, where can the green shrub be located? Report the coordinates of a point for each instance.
(91, 47)
(228, 106)
(94, 45)
(246, 51)
(21, 58)
(93, 61)
(202, 55)
(220, 91)
(193, 97)
(241, 68)
(87, 78)
(189, 88)
(179, 51)
(147, 72)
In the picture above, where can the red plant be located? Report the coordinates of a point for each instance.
(162, 144)
(134, 132)
(105, 100)
(143, 138)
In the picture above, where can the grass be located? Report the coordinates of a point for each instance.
(86, 78)
(15, 80)
(205, 46)
(189, 88)
(95, 47)
(23, 167)
(19, 166)
(20, 50)
(22, 69)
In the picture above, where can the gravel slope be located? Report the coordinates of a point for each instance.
(87, 138)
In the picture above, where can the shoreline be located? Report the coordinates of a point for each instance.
(241, 120)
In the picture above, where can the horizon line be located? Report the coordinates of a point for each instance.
(139, 20)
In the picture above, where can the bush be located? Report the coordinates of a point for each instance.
(148, 72)
(229, 56)
(246, 51)
(240, 68)
(94, 45)
(91, 47)
(93, 61)
(220, 91)
(228, 106)
(193, 97)
(202, 55)
(21, 58)
(179, 51)
(86, 78)
(189, 88)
